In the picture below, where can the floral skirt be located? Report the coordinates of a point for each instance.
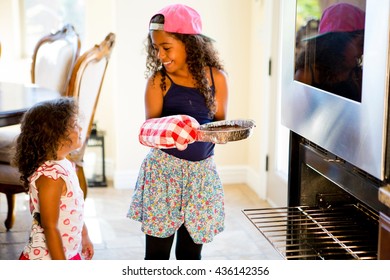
(172, 191)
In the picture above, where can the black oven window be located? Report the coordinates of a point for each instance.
(329, 45)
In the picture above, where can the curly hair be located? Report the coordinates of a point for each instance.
(43, 128)
(325, 53)
(200, 54)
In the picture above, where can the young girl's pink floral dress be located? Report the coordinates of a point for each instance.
(71, 216)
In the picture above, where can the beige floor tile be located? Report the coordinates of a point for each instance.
(116, 237)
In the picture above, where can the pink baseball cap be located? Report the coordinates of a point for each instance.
(179, 18)
(341, 17)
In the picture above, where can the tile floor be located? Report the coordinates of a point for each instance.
(116, 237)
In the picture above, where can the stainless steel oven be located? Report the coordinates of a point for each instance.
(339, 167)
(354, 131)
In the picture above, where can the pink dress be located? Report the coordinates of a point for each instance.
(71, 216)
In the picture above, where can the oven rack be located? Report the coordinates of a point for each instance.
(304, 232)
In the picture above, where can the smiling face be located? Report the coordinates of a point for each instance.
(170, 51)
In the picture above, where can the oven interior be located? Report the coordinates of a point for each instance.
(334, 226)
(332, 213)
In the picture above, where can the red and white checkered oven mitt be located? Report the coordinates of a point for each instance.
(175, 131)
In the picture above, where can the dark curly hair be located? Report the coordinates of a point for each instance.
(200, 54)
(325, 52)
(43, 128)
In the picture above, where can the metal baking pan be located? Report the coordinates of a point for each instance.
(221, 132)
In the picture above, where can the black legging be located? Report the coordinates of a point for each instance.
(159, 248)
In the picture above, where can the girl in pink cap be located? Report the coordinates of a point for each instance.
(49, 132)
(179, 192)
(332, 59)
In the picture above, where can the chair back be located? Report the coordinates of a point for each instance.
(54, 58)
(85, 85)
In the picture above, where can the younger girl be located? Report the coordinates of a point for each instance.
(49, 132)
(178, 191)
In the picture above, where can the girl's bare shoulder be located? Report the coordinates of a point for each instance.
(219, 75)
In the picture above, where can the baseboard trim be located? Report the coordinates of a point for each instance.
(237, 174)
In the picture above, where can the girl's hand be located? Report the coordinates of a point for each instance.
(87, 250)
(175, 131)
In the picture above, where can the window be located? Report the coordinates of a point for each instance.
(42, 17)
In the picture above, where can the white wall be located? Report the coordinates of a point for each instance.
(229, 22)
(240, 30)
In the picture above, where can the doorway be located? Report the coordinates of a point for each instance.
(278, 135)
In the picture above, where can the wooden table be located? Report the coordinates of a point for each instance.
(16, 99)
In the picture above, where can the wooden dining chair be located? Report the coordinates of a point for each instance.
(10, 185)
(52, 63)
(54, 57)
(85, 85)
(53, 60)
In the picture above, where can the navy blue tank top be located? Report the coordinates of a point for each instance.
(182, 100)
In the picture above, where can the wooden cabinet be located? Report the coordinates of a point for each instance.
(384, 237)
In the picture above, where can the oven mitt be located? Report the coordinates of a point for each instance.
(175, 131)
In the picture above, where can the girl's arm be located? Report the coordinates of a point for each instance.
(221, 94)
(49, 193)
(153, 98)
(87, 246)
